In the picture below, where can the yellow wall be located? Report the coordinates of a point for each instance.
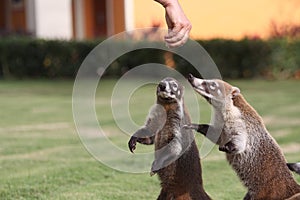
(224, 18)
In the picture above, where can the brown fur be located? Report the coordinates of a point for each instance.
(264, 171)
(261, 165)
(181, 179)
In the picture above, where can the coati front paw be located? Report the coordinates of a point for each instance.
(154, 168)
(229, 147)
(132, 143)
(201, 128)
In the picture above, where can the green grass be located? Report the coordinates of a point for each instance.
(42, 157)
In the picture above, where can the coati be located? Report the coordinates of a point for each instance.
(250, 149)
(177, 160)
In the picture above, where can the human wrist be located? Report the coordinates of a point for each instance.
(166, 3)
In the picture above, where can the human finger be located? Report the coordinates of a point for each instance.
(172, 32)
(177, 36)
(180, 42)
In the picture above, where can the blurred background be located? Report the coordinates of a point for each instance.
(258, 38)
(89, 19)
(255, 44)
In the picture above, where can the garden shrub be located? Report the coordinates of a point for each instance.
(22, 57)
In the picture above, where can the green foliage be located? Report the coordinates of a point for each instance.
(31, 58)
(133, 59)
(285, 58)
(26, 57)
(239, 59)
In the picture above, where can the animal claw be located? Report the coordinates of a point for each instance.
(132, 144)
(152, 173)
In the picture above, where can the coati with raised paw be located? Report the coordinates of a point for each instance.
(250, 149)
(177, 160)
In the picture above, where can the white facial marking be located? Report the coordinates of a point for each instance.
(217, 84)
(219, 92)
(174, 85)
(168, 87)
(197, 82)
(209, 96)
(212, 87)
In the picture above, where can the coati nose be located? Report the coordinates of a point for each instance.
(190, 78)
(162, 86)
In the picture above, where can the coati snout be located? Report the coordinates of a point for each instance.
(215, 91)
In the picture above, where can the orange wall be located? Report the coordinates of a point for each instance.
(2, 14)
(18, 19)
(89, 18)
(73, 20)
(224, 18)
(95, 18)
(119, 13)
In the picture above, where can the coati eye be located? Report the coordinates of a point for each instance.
(174, 86)
(213, 85)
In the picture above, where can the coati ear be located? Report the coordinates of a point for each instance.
(235, 92)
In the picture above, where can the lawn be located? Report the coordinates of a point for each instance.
(42, 157)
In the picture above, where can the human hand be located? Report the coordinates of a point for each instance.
(178, 24)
